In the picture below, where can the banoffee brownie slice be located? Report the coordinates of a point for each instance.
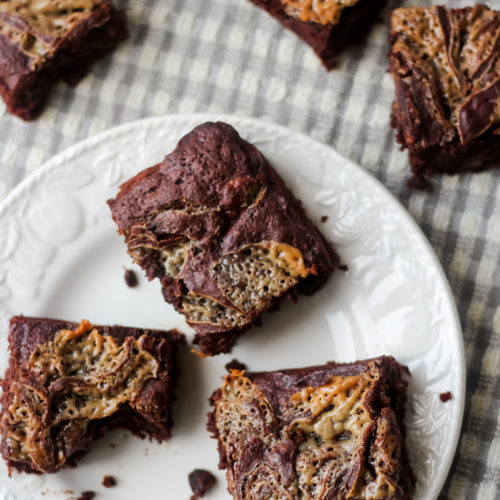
(446, 68)
(218, 227)
(43, 41)
(67, 383)
(328, 26)
(321, 433)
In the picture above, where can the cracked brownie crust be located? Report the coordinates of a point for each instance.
(328, 26)
(66, 383)
(326, 432)
(446, 67)
(219, 228)
(42, 42)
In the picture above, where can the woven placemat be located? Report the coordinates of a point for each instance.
(226, 56)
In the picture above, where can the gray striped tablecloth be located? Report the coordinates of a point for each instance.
(226, 56)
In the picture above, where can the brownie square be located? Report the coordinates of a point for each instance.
(446, 68)
(326, 432)
(218, 227)
(328, 26)
(44, 42)
(67, 383)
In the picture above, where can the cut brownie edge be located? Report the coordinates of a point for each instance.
(60, 373)
(323, 428)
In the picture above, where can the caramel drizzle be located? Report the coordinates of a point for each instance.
(80, 375)
(332, 419)
(34, 25)
(317, 11)
(464, 53)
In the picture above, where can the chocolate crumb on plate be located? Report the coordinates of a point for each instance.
(87, 495)
(445, 396)
(108, 481)
(131, 278)
(324, 218)
(201, 481)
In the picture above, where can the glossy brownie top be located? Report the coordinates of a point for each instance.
(446, 63)
(331, 431)
(218, 226)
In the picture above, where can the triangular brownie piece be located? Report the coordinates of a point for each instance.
(219, 228)
(43, 42)
(328, 26)
(68, 382)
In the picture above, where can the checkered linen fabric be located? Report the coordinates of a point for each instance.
(226, 56)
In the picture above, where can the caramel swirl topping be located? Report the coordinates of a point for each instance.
(317, 11)
(79, 376)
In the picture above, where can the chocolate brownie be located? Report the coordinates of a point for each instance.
(326, 432)
(446, 67)
(328, 26)
(42, 42)
(218, 227)
(67, 382)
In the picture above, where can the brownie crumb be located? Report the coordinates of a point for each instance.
(131, 278)
(87, 495)
(445, 396)
(324, 218)
(235, 365)
(108, 481)
(343, 267)
(200, 481)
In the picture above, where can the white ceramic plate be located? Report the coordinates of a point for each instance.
(60, 256)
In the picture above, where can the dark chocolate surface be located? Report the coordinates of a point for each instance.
(149, 416)
(216, 196)
(446, 67)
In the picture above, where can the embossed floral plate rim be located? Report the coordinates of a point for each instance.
(351, 178)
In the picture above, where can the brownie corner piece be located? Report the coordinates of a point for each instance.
(446, 68)
(67, 383)
(42, 43)
(328, 26)
(218, 227)
(330, 431)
